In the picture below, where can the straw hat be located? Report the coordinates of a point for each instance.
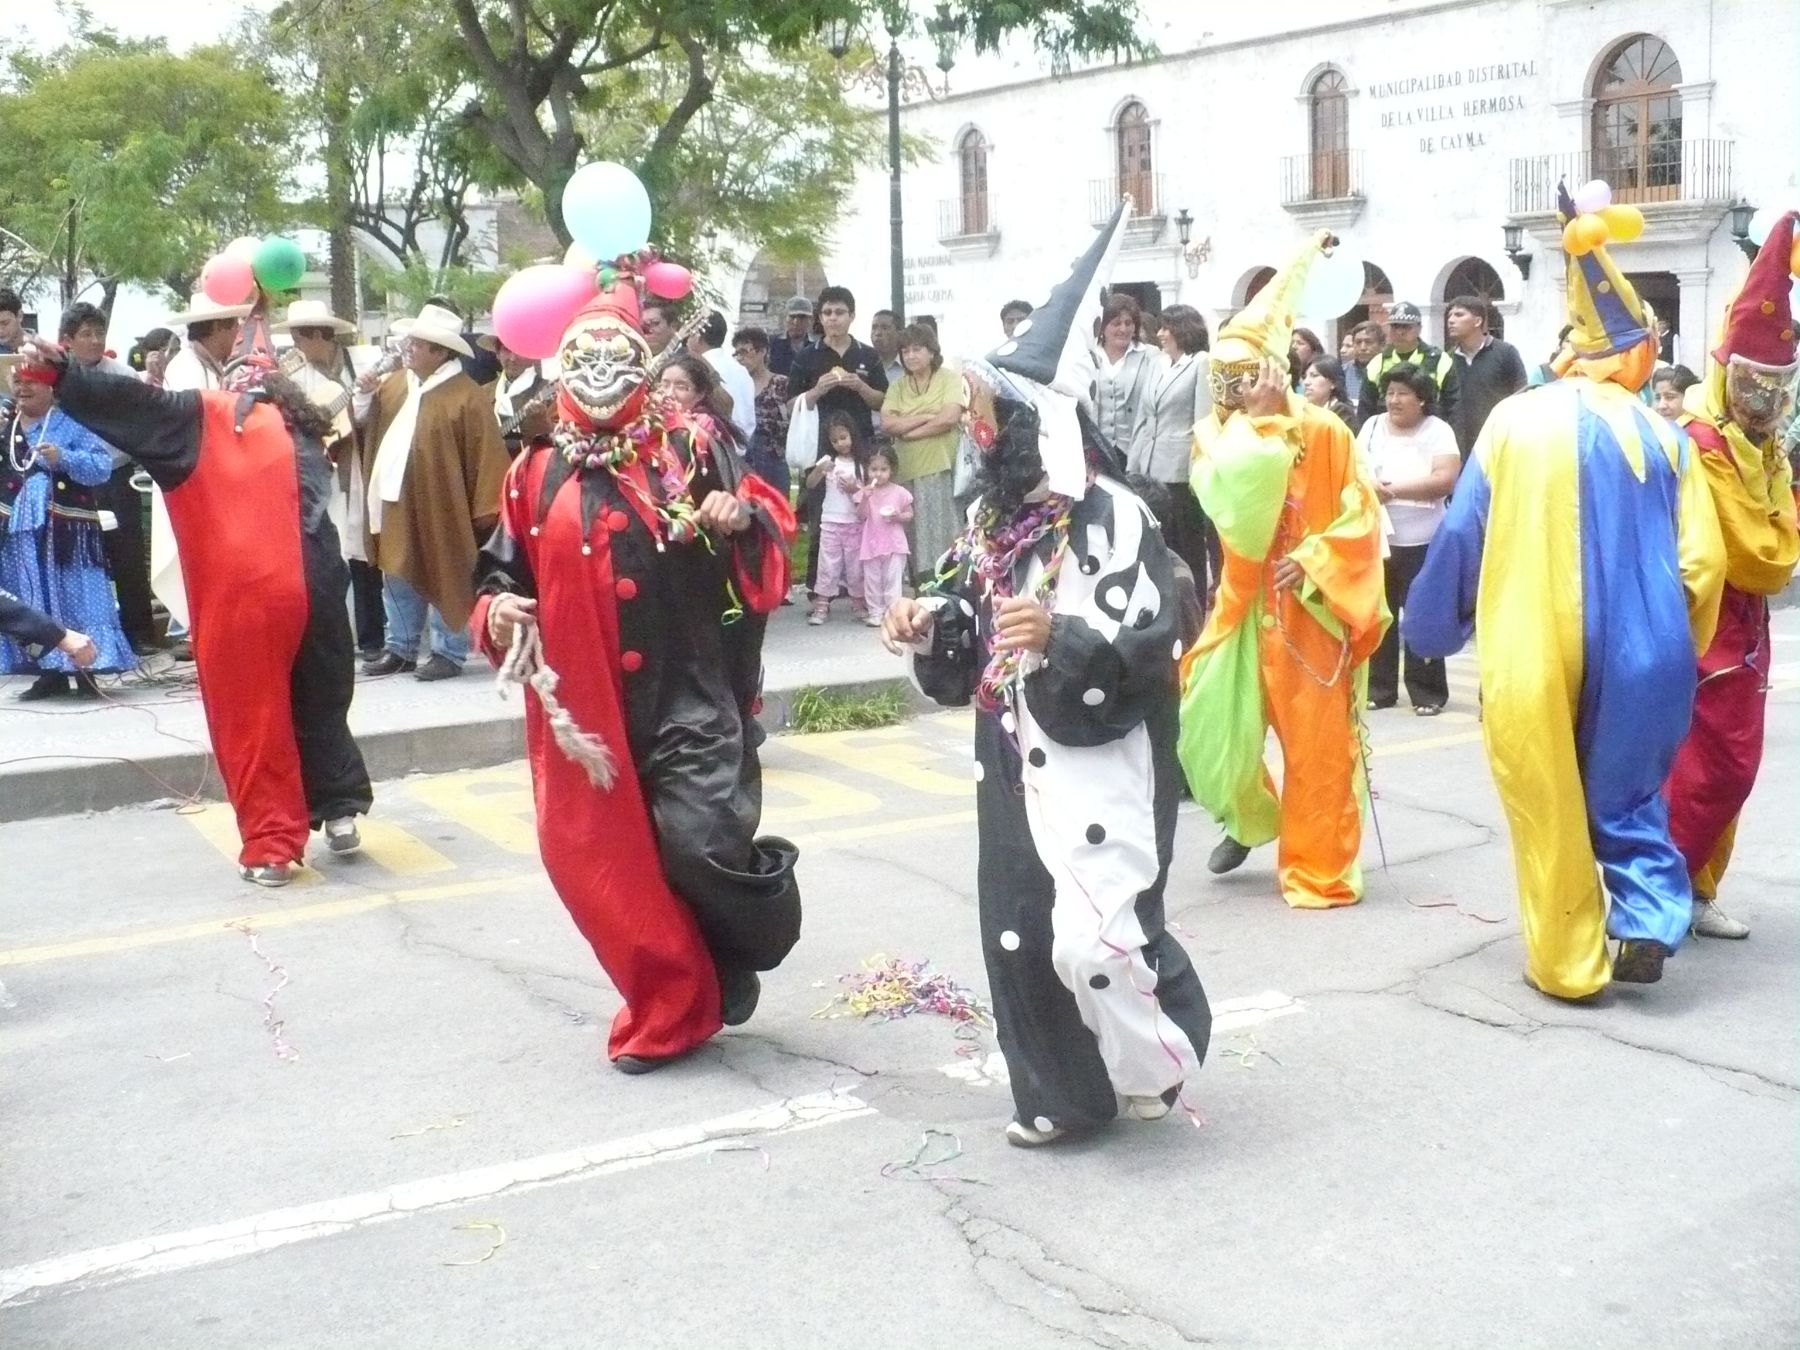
(313, 314)
(206, 311)
(438, 326)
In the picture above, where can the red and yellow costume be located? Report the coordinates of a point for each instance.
(1287, 486)
(1753, 491)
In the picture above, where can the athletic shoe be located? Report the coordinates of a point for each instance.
(1711, 921)
(1021, 1135)
(342, 836)
(1640, 961)
(1153, 1108)
(1227, 857)
(817, 617)
(272, 875)
(1427, 709)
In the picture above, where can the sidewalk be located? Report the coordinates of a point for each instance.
(147, 742)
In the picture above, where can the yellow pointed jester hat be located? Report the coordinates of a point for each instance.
(1264, 329)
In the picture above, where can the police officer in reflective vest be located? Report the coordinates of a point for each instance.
(1404, 346)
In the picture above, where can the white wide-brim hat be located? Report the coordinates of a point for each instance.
(438, 326)
(205, 311)
(313, 314)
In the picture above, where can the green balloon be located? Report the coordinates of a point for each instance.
(279, 264)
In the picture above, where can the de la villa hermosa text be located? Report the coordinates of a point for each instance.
(1440, 82)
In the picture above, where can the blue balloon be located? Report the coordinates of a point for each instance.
(607, 210)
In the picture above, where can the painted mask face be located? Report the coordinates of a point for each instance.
(1229, 382)
(1758, 396)
(605, 363)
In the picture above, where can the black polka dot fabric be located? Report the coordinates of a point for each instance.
(1098, 982)
(1096, 834)
(1037, 758)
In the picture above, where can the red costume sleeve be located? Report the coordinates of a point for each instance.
(760, 555)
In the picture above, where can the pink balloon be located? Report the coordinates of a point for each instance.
(227, 280)
(671, 281)
(534, 307)
(244, 246)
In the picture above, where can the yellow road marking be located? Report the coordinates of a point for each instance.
(885, 828)
(384, 843)
(819, 798)
(894, 753)
(493, 803)
(216, 823)
(274, 918)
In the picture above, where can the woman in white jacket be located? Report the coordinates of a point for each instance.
(1127, 371)
(1162, 441)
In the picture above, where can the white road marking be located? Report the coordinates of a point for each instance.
(279, 1228)
(1233, 1014)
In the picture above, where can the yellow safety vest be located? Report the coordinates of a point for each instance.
(1389, 358)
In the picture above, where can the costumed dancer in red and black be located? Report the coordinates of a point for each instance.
(246, 482)
(626, 585)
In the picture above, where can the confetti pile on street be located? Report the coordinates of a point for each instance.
(890, 988)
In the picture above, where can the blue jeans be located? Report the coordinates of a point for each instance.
(406, 616)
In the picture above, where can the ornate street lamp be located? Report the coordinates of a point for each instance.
(836, 33)
(1741, 215)
(1514, 236)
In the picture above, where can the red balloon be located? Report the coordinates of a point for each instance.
(667, 280)
(227, 279)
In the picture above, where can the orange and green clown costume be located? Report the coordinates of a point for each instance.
(1288, 485)
(1582, 545)
(1752, 491)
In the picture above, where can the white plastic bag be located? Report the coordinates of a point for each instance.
(803, 436)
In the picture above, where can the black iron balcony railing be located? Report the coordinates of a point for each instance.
(966, 217)
(1330, 176)
(1650, 171)
(1144, 189)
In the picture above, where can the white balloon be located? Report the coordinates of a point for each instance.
(1334, 284)
(1764, 221)
(1593, 195)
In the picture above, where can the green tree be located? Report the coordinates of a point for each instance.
(129, 163)
(544, 70)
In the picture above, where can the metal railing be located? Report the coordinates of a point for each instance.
(1330, 176)
(1660, 171)
(966, 217)
(1144, 189)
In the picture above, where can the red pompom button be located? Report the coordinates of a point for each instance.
(627, 588)
(632, 662)
(616, 521)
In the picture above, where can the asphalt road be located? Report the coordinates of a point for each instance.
(373, 1110)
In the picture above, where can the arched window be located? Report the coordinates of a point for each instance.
(1637, 121)
(971, 154)
(1137, 166)
(1473, 276)
(1328, 112)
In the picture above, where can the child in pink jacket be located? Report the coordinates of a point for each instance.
(886, 507)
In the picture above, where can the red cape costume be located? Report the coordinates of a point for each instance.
(265, 588)
(660, 867)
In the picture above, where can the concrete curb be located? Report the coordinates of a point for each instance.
(75, 786)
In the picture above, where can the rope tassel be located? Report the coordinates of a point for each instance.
(524, 665)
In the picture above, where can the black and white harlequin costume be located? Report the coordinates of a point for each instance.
(1078, 781)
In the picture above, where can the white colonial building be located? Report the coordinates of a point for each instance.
(1428, 135)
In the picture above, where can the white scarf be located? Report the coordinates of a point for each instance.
(508, 393)
(389, 470)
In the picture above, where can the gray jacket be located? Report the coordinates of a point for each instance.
(1177, 397)
(1118, 396)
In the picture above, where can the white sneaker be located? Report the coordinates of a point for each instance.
(342, 837)
(1152, 1108)
(1021, 1135)
(1711, 921)
(272, 875)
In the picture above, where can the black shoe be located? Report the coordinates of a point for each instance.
(1227, 857)
(1381, 704)
(371, 653)
(1640, 962)
(388, 663)
(640, 1064)
(182, 650)
(437, 666)
(85, 687)
(148, 647)
(48, 685)
(739, 991)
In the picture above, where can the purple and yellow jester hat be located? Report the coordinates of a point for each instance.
(1606, 318)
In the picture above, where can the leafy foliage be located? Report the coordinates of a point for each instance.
(125, 162)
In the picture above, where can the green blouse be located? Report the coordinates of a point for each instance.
(934, 454)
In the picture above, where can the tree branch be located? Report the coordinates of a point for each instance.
(693, 99)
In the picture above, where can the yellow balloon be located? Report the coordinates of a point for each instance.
(1794, 259)
(1624, 223)
(1576, 241)
(577, 256)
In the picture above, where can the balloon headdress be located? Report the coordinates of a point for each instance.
(586, 311)
(1606, 318)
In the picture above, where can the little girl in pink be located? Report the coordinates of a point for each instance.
(885, 508)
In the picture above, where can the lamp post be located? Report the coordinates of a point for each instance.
(944, 29)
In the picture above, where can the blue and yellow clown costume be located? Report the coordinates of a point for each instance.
(1583, 546)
